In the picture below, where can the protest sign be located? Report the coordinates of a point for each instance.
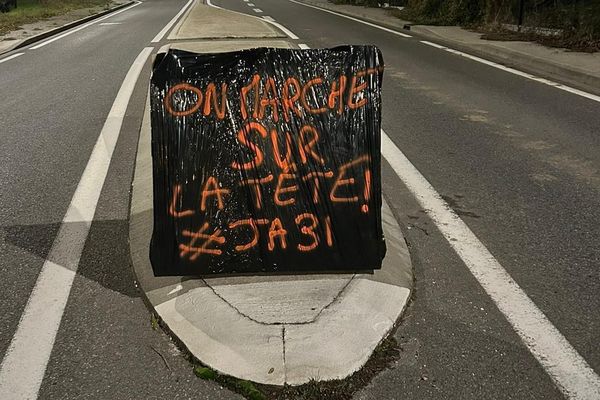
(267, 160)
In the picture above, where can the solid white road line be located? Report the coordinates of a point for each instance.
(517, 72)
(285, 30)
(570, 372)
(303, 46)
(208, 2)
(25, 361)
(70, 32)
(11, 57)
(437, 46)
(257, 10)
(167, 27)
(353, 19)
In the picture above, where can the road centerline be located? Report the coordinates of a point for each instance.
(23, 367)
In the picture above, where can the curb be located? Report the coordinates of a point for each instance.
(52, 32)
(563, 74)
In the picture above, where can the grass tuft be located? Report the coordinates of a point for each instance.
(29, 11)
(205, 373)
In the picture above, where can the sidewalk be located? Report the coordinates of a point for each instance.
(268, 329)
(578, 69)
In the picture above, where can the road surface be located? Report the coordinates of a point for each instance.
(516, 159)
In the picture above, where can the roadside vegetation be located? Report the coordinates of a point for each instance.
(385, 355)
(574, 24)
(28, 11)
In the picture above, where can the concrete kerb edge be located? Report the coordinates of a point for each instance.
(283, 34)
(139, 235)
(518, 60)
(182, 19)
(532, 65)
(52, 32)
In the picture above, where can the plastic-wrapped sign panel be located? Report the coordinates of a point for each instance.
(267, 160)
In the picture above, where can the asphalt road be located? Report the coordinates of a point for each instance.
(519, 161)
(54, 103)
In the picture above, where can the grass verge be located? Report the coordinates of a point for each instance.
(29, 11)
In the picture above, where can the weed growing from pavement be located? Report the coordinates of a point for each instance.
(342, 389)
(245, 388)
(154, 322)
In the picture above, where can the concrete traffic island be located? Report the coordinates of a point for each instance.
(284, 329)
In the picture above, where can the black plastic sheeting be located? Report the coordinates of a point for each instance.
(267, 160)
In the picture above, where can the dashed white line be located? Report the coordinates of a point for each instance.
(268, 18)
(25, 361)
(257, 10)
(167, 27)
(353, 19)
(285, 30)
(250, 4)
(516, 72)
(72, 31)
(570, 372)
(12, 57)
(303, 46)
(110, 23)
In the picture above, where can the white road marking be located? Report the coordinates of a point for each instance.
(215, 6)
(569, 371)
(25, 361)
(167, 27)
(437, 46)
(474, 58)
(250, 4)
(285, 30)
(565, 366)
(353, 19)
(72, 31)
(11, 57)
(268, 18)
(257, 10)
(110, 23)
(303, 46)
(517, 72)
